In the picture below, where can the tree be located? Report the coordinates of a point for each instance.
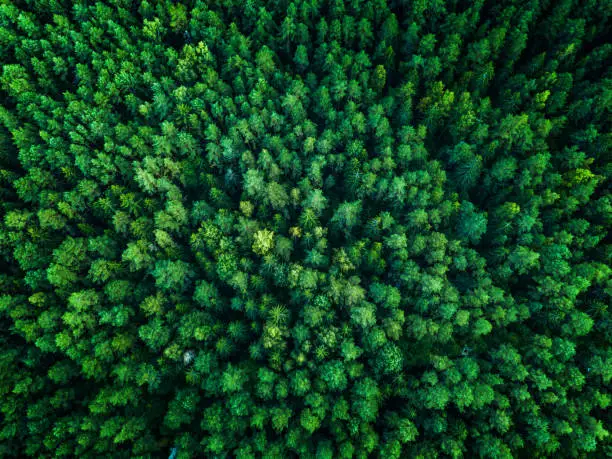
(472, 224)
(347, 215)
(263, 242)
(301, 58)
(172, 275)
(311, 229)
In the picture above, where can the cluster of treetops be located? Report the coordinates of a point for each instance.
(319, 229)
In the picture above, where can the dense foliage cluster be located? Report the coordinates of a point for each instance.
(312, 228)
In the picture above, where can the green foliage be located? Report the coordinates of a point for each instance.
(305, 229)
(263, 242)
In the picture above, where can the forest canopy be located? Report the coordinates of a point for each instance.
(310, 228)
